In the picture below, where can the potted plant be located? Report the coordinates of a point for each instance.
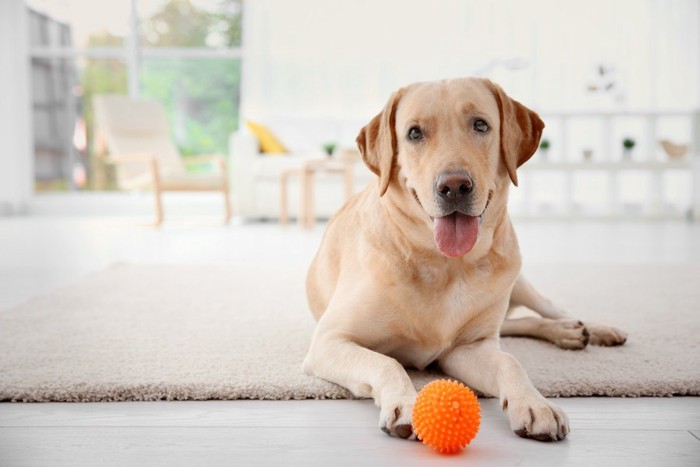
(628, 145)
(544, 147)
(329, 148)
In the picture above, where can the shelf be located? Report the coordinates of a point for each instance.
(618, 113)
(611, 166)
(561, 215)
(574, 172)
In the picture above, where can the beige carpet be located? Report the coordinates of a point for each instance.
(200, 332)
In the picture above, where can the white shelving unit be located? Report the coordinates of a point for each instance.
(569, 166)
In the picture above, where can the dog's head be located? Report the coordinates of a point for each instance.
(450, 147)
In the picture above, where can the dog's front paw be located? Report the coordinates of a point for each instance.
(395, 419)
(567, 334)
(535, 417)
(606, 335)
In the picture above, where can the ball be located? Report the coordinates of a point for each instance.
(446, 415)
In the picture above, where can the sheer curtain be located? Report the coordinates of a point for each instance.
(16, 157)
(342, 59)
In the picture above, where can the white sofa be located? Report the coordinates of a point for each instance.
(255, 177)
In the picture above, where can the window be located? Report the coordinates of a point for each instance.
(184, 54)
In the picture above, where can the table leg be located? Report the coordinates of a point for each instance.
(310, 216)
(303, 183)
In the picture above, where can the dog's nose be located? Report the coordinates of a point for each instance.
(453, 186)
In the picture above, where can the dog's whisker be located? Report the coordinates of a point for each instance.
(488, 201)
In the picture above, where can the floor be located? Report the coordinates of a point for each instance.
(40, 254)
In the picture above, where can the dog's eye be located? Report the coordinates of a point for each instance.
(481, 126)
(415, 134)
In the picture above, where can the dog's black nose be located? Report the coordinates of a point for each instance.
(453, 186)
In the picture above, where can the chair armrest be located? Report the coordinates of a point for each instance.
(243, 145)
(142, 158)
(202, 158)
(208, 159)
(129, 158)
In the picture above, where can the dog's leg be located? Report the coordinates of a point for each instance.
(485, 367)
(557, 328)
(524, 294)
(564, 333)
(606, 335)
(366, 374)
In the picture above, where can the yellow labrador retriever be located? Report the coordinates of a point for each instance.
(423, 266)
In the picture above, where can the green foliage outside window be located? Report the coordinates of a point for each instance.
(180, 24)
(200, 95)
(201, 98)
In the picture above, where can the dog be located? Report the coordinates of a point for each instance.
(423, 266)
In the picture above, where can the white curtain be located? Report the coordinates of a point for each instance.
(17, 156)
(342, 58)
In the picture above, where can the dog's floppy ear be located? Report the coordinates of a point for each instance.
(521, 129)
(377, 142)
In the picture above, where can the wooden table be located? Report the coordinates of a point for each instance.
(307, 174)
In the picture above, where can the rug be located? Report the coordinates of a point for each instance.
(180, 332)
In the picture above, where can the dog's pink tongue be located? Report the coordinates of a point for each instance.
(455, 235)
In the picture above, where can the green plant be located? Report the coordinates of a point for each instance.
(201, 96)
(628, 143)
(329, 148)
(544, 144)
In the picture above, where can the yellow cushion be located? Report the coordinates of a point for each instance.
(268, 142)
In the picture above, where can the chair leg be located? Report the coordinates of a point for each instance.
(157, 192)
(228, 212)
(159, 207)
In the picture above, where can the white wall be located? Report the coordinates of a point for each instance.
(337, 58)
(16, 155)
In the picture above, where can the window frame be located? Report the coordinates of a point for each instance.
(132, 52)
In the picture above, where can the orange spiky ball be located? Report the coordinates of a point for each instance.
(446, 415)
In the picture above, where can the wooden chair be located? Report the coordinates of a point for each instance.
(133, 135)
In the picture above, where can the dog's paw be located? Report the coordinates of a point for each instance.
(568, 334)
(395, 419)
(602, 334)
(535, 417)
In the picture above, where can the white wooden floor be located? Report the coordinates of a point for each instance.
(40, 254)
(619, 432)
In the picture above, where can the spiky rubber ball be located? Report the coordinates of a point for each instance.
(446, 415)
